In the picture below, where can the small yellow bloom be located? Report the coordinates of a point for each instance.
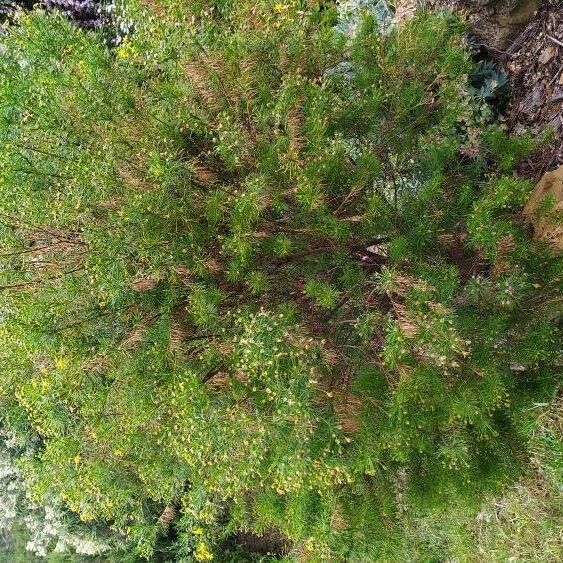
(198, 532)
(81, 67)
(76, 459)
(125, 50)
(61, 363)
(279, 7)
(202, 553)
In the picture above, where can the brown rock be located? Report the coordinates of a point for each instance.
(547, 226)
(498, 22)
(404, 10)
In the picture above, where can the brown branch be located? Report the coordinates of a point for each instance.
(40, 281)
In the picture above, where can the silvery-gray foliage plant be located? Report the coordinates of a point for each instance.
(47, 527)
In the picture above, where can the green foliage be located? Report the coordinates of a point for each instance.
(251, 280)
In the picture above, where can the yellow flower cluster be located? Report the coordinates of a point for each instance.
(202, 553)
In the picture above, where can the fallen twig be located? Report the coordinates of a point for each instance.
(556, 41)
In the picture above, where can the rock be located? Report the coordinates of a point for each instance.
(547, 226)
(404, 10)
(498, 22)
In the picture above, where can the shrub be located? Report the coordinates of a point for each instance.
(254, 279)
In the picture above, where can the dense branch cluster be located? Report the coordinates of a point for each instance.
(260, 274)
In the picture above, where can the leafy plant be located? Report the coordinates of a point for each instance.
(243, 290)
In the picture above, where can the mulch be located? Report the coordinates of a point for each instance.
(534, 64)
